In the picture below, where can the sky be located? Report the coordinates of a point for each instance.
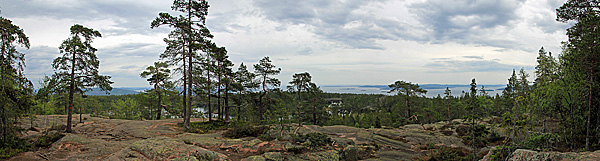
(339, 42)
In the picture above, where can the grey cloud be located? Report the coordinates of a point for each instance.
(336, 21)
(130, 67)
(479, 65)
(131, 16)
(473, 57)
(459, 20)
(131, 50)
(38, 60)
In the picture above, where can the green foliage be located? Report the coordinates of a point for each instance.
(59, 127)
(540, 141)
(450, 154)
(48, 138)
(204, 127)
(126, 108)
(12, 146)
(16, 90)
(501, 153)
(481, 135)
(311, 139)
(240, 131)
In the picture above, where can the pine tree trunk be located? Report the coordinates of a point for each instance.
(260, 106)
(299, 105)
(408, 105)
(226, 101)
(80, 118)
(219, 95)
(159, 111)
(71, 91)
(184, 92)
(587, 135)
(208, 89)
(188, 113)
(314, 114)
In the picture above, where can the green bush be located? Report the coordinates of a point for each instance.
(450, 154)
(59, 127)
(204, 127)
(245, 131)
(540, 141)
(12, 146)
(318, 139)
(47, 139)
(311, 139)
(501, 154)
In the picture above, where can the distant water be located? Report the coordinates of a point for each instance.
(432, 89)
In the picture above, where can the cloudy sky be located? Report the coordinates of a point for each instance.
(340, 42)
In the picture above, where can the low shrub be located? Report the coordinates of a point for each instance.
(451, 154)
(245, 131)
(59, 127)
(500, 153)
(47, 139)
(12, 146)
(540, 141)
(311, 139)
(204, 127)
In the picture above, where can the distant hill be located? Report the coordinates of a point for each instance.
(432, 89)
(115, 91)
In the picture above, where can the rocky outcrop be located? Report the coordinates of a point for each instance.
(530, 155)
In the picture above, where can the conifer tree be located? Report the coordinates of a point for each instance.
(245, 83)
(447, 98)
(300, 82)
(584, 40)
(409, 90)
(264, 71)
(159, 77)
(15, 88)
(78, 66)
(190, 35)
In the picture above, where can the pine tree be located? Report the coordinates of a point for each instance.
(189, 36)
(447, 98)
(15, 88)
(245, 83)
(300, 82)
(473, 107)
(584, 37)
(78, 66)
(409, 90)
(159, 77)
(264, 70)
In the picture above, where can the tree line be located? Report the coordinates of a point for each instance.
(194, 78)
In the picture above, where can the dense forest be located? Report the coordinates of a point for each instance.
(193, 78)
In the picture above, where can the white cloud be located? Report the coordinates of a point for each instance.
(338, 42)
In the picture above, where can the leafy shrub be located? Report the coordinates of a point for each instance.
(318, 139)
(377, 122)
(12, 146)
(266, 136)
(447, 132)
(494, 137)
(462, 130)
(47, 139)
(204, 127)
(59, 127)
(245, 131)
(501, 154)
(481, 135)
(540, 141)
(451, 154)
(311, 139)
